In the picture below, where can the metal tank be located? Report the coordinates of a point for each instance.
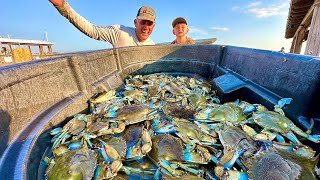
(39, 95)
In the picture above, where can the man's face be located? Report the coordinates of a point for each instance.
(180, 29)
(144, 29)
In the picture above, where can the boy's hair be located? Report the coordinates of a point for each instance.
(178, 21)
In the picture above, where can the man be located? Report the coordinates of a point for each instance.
(180, 30)
(282, 49)
(117, 35)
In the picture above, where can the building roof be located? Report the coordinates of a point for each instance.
(298, 10)
(23, 42)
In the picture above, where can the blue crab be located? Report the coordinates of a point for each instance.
(262, 135)
(104, 97)
(197, 99)
(168, 153)
(231, 135)
(130, 114)
(186, 130)
(180, 111)
(74, 164)
(275, 160)
(138, 141)
(278, 123)
(73, 128)
(112, 148)
(97, 104)
(135, 95)
(282, 164)
(225, 163)
(114, 153)
(229, 113)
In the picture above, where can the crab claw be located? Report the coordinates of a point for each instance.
(314, 138)
(134, 153)
(249, 109)
(231, 174)
(106, 171)
(108, 152)
(74, 145)
(55, 131)
(236, 155)
(282, 102)
(230, 157)
(194, 157)
(169, 128)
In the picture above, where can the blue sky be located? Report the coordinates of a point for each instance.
(248, 23)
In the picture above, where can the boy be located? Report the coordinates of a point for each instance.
(180, 30)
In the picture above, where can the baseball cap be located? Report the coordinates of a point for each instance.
(179, 20)
(146, 13)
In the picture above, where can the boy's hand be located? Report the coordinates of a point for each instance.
(57, 2)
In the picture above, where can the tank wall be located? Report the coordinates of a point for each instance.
(28, 89)
(286, 75)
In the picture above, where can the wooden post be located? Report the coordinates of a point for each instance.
(11, 50)
(313, 43)
(297, 43)
(41, 50)
(49, 49)
(29, 47)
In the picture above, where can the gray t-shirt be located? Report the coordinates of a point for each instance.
(117, 35)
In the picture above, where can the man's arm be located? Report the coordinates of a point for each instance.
(109, 33)
(57, 2)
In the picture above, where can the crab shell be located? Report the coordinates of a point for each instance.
(75, 164)
(118, 143)
(273, 120)
(166, 147)
(173, 109)
(232, 135)
(192, 131)
(281, 164)
(132, 134)
(133, 114)
(223, 113)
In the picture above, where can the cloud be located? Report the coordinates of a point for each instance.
(219, 28)
(254, 4)
(262, 11)
(235, 8)
(269, 11)
(197, 31)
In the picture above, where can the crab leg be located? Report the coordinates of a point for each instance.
(166, 165)
(134, 153)
(187, 168)
(130, 170)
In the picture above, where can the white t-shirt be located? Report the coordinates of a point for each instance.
(117, 35)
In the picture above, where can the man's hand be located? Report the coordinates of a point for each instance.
(57, 2)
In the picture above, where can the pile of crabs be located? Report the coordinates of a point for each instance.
(161, 126)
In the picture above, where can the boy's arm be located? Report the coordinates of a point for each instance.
(109, 33)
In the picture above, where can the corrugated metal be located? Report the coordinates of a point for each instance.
(298, 10)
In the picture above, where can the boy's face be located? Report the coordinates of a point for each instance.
(180, 30)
